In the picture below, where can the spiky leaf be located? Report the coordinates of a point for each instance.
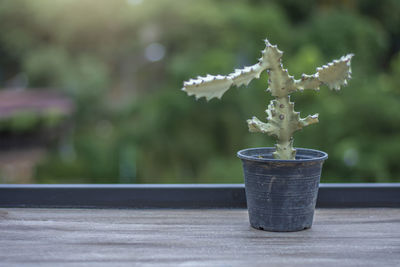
(215, 86)
(336, 73)
(208, 87)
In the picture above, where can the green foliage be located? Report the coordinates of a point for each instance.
(28, 121)
(22, 121)
(134, 125)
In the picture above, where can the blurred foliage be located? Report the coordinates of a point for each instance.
(27, 121)
(124, 63)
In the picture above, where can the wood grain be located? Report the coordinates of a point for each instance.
(218, 237)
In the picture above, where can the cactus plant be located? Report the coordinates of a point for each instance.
(282, 120)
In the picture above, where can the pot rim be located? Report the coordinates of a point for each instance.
(307, 155)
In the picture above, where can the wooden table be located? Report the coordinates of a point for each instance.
(182, 237)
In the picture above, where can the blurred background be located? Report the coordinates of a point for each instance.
(90, 90)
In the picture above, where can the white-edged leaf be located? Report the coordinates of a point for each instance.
(336, 73)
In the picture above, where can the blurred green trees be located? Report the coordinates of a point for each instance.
(124, 62)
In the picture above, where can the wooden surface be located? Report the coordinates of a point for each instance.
(220, 237)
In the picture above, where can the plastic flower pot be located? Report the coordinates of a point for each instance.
(281, 194)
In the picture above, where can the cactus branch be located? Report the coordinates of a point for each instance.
(255, 125)
(282, 120)
(215, 86)
(208, 87)
(310, 119)
(336, 73)
(308, 82)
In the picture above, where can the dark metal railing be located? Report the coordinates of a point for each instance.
(182, 196)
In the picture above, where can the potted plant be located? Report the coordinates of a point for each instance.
(281, 183)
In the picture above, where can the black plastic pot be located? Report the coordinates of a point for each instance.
(281, 194)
